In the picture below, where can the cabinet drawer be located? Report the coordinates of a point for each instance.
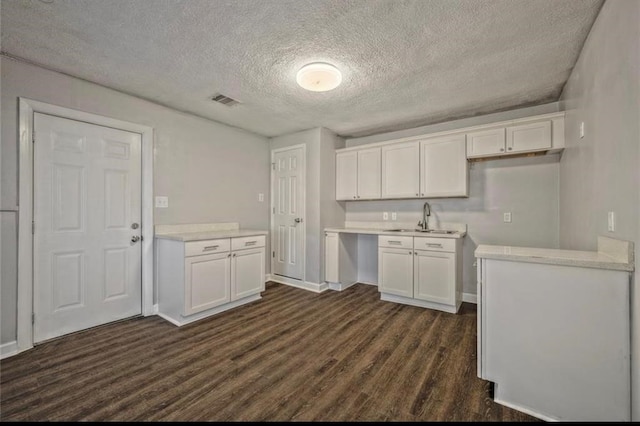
(395, 241)
(435, 244)
(194, 248)
(247, 242)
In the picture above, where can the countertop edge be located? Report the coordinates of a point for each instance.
(210, 235)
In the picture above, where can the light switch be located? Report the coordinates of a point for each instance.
(506, 217)
(261, 197)
(394, 216)
(385, 216)
(581, 129)
(611, 221)
(162, 202)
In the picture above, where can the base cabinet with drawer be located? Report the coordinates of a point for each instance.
(197, 279)
(421, 271)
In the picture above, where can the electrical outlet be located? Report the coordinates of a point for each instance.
(506, 217)
(385, 216)
(261, 197)
(162, 202)
(611, 221)
(394, 216)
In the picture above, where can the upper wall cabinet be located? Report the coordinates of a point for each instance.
(444, 170)
(358, 174)
(401, 170)
(517, 137)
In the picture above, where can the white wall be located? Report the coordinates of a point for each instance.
(526, 187)
(601, 172)
(211, 172)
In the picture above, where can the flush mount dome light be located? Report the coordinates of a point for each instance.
(319, 77)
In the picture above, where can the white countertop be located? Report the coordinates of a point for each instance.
(211, 235)
(374, 231)
(612, 254)
(204, 231)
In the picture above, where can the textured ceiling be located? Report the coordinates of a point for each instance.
(405, 63)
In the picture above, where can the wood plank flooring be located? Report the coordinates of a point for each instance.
(294, 355)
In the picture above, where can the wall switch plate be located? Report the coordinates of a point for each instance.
(394, 216)
(611, 221)
(385, 216)
(581, 129)
(162, 202)
(506, 217)
(261, 197)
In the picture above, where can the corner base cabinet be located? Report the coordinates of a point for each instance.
(197, 279)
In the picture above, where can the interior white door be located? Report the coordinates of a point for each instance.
(87, 209)
(288, 199)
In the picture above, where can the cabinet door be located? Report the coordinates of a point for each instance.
(395, 271)
(369, 165)
(529, 137)
(434, 276)
(401, 170)
(443, 167)
(485, 143)
(347, 175)
(247, 272)
(206, 282)
(331, 253)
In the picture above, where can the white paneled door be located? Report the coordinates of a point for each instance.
(288, 199)
(87, 212)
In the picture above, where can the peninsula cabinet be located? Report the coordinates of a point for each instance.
(358, 174)
(421, 271)
(197, 279)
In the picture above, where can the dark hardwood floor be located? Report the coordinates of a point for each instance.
(294, 355)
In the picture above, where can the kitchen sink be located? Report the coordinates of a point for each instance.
(426, 231)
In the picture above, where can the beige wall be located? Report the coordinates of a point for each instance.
(211, 172)
(601, 172)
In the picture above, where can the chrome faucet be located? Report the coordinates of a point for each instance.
(426, 212)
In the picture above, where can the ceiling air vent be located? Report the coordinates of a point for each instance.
(224, 100)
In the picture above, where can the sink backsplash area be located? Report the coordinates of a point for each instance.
(448, 226)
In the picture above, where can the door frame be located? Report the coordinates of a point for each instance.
(27, 108)
(303, 200)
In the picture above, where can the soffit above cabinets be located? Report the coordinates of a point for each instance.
(405, 64)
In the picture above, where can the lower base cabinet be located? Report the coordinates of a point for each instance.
(421, 271)
(197, 279)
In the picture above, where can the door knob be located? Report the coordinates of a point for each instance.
(297, 220)
(134, 226)
(135, 239)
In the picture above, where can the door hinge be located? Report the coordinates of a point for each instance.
(273, 254)
(274, 210)
(33, 318)
(33, 137)
(33, 227)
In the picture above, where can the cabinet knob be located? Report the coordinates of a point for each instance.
(354, 196)
(417, 195)
(501, 149)
(510, 148)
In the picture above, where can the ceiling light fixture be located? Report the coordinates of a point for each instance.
(319, 77)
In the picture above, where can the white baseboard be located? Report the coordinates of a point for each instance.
(420, 303)
(8, 349)
(470, 298)
(368, 283)
(305, 285)
(526, 411)
(340, 286)
(155, 309)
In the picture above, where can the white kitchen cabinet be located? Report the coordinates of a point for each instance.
(444, 170)
(358, 174)
(554, 337)
(484, 143)
(421, 271)
(529, 137)
(197, 279)
(340, 255)
(401, 170)
(206, 282)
